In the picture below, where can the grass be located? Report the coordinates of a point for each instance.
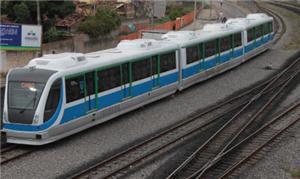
(188, 9)
(295, 173)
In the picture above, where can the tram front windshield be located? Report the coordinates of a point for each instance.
(24, 95)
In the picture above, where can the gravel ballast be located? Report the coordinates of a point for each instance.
(56, 159)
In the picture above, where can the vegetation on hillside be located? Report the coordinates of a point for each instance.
(177, 11)
(104, 21)
(25, 12)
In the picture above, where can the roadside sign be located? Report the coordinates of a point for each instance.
(20, 37)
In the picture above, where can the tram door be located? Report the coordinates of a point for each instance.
(90, 96)
(125, 80)
(155, 71)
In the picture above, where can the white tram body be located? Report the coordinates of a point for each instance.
(57, 95)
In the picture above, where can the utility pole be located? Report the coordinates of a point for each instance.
(152, 15)
(38, 12)
(210, 12)
(195, 13)
(94, 7)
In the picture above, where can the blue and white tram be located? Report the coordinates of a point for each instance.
(57, 95)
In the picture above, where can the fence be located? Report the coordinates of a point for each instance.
(170, 25)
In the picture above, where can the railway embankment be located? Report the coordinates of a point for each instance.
(283, 159)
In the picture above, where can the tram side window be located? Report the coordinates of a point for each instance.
(167, 62)
(52, 100)
(237, 39)
(225, 43)
(271, 26)
(210, 48)
(109, 78)
(141, 69)
(192, 54)
(250, 34)
(75, 88)
(259, 31)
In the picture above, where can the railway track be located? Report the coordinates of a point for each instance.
(250, 146)
(280, 26)
(13, 152)
(122, 162)
(289, 6)
(243, 124)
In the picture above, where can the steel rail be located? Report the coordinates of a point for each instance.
(231, 169)
(7, 148)
(287, 6)
(14, 157)
(277, 18)
(191, 157)
(216, 159)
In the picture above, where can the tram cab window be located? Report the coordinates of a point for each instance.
(74, 88)
(167, 62)
(141, 69)
(237, 39)
(52, 100)
(192, 54)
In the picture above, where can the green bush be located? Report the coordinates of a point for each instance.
(101, 24)
(53, 35)
(176, 12)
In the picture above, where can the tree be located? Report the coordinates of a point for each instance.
(102, 23)
(25, 12)
(22, 12)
